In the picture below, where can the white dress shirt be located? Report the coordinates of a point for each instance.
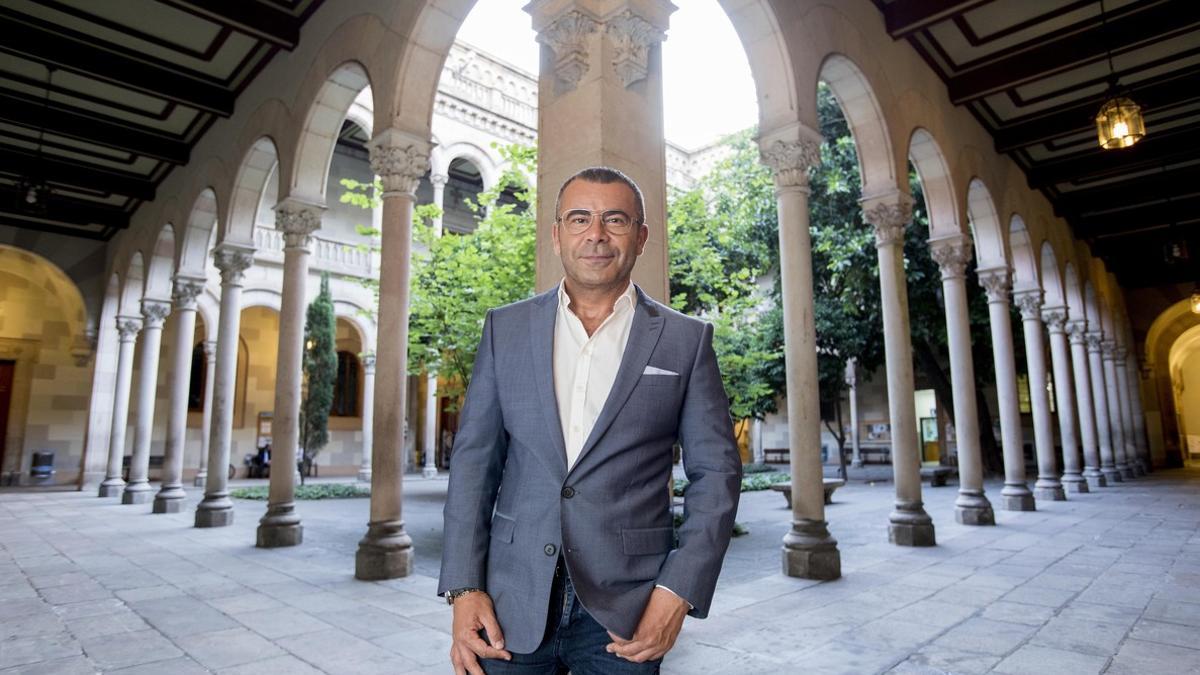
(585, 368)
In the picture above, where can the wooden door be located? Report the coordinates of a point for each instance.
(7, 369)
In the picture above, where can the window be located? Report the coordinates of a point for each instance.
(345, 390)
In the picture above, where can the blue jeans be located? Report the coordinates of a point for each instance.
(574, 643)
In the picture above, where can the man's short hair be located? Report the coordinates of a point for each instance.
(606, 175)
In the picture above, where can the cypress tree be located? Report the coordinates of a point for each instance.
(320, 372)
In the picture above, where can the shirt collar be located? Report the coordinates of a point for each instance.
(628, 298)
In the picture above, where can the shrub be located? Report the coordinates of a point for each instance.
(317, 491)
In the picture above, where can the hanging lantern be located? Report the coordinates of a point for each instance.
(1119, 123)
(1196, 300)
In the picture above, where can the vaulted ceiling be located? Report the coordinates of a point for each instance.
(1035, 74)
(102, 99)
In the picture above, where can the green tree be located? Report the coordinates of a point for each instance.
(320, 374)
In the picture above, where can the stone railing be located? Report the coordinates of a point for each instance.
(327, 255)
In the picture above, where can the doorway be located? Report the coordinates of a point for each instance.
(7, 370)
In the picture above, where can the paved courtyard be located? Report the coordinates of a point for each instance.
(1106, 582)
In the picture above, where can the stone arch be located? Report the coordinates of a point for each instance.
(197, 234)
(1074, 293)
(258, 165)
(990, 244)
(936, 183)
(867, 126)
(1091, 304)
(1024, 261)
(161, 267)
(766, 49)
(1161, 416)
(360, 111)
(352, 313)
(1052, 282)
(132, 286)
(487, 165)
(322, 124)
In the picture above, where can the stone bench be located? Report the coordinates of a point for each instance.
(937, 475)
(830, 484)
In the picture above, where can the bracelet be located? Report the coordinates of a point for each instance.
(457, 593)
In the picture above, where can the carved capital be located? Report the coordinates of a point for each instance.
(185, 292)
(1077, 332)
(567, 37)
(368, 364)
(995, 281)
(889, 215)
(1029, 302)
(632, 37)
(791, 160)
(1055, 318)
(128, 327)
(1120, 354)
(400, 160)
(1095, 341)
(154, 312)
(232, 262)
(439, 180)
(297, 221)
(952, 255)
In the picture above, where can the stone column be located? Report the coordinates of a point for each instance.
(1047, 485)
(1131, 451)
(1139, 416)
(600, 103)
(1055, 320)
(890, 214)
(952, 255)
(216, 509)
(127, 331)
(170, 495)
(280, 526)
(210, 367)
(1016, 495)
(368, 416)
(385, 552)
(1112, 390)
(1077, 331)
(439, 181)
(1100, 398)
(431, 398)
(809, 551)
(852, 388)
(154, 312)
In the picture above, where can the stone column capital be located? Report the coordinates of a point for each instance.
(1029, 302)
(400, 160)
(952, 255)
(368, 364)
(128, 327)
(1055, 318)
(567, 36)
(1120, 353)
(1077, 332)
(1095, 341)
(154, 312)
(790, 152)
(439, 180)
(297, 219)
(995, 282)
(1109, 348)
(185, 292)
(232, 261)
(889, 214)
(632, 36)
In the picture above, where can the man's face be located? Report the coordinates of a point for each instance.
(597, 258)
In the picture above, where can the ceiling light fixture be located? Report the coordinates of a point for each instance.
(32, 189)
(1119, 124)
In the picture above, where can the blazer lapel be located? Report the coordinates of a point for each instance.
(541, 331)
(643, 337)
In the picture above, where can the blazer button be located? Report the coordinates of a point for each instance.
(568, 492)
(551, 549)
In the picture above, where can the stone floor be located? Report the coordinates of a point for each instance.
(1106, 582)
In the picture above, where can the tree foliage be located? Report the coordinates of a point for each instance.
(320, 373)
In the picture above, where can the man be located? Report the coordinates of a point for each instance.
(558, 528)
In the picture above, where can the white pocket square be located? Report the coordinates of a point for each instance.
(651, 370)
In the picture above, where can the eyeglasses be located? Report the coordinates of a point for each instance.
(577, 221)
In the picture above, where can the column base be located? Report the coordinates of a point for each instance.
(429, 472)
(911, 526)
(1127, 472)
(1112, 475)
(1094, 478)
(1017, 497)
(1076, 484)
(169, 500)
(1049, 489)
(809, 552)
(280, 527)
(972, 508)
(384, 553)
(112, 487)
(200, 480)
(216, 511)
(856, 463)
(364, 475)
(137, 493)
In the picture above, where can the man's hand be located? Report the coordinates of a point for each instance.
(473, 612)
(656, 631)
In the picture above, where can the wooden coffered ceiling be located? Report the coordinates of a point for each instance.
(133, 85)
(1034, 73)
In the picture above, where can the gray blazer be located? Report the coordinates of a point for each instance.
(513, 508)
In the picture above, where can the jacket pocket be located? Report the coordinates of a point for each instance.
(647, 540)
(502, 527)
